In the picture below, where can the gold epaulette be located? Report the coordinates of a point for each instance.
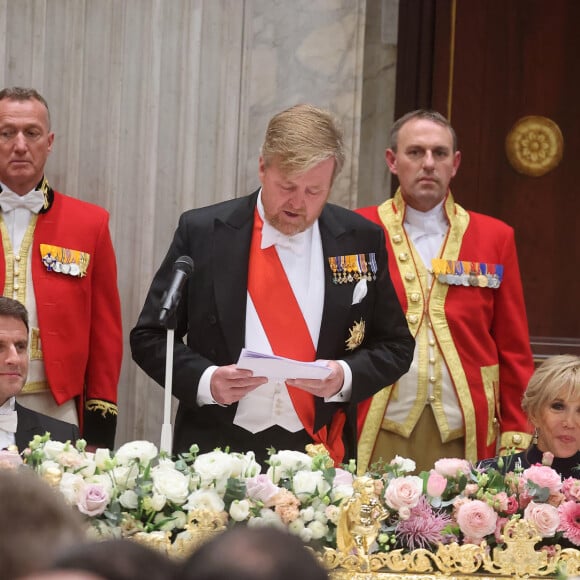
(105, 408)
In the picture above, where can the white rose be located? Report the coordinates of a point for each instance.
(52, 449)
(405, 465)
(48, 465)
(125, 476)
(308, 483)
(340, 492)
(207, 499)
(144, 451)
(240, 510)
(296, 527)
(317, 529)
(171, 483)
(158, 501)
(267, 518)
(70, 486)
(87, 467)
(307, 514)
(284, 463)
(215, 468)
(129, 499)
(176, 521)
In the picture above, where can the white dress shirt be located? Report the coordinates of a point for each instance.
(303, 261)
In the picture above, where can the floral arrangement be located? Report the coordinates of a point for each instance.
(139, 489)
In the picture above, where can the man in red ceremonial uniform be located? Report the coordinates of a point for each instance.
(457, 277)
(57, 259)
(281, 272)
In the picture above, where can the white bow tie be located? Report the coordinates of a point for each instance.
(271, 236)
(32, 201)
(9, 421)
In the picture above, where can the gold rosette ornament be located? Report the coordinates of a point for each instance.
(356, 335)
(534, 146)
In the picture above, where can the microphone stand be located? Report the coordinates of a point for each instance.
(166, 429)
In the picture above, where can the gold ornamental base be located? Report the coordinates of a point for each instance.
(518, 558)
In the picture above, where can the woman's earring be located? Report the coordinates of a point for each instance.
(535, 437)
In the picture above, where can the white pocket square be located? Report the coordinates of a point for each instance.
(360, 291)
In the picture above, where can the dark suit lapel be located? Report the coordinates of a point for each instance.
(230, 251)
(337, 297)
(336, 241)
(27, 427)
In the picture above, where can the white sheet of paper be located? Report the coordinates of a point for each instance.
(280, 368)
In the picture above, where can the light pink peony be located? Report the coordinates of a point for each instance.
(403, 493)
(436, 484)
(476, 519)
(452, 467)
(569, 513)
(544, 516)
(92, 500)
(543, 476)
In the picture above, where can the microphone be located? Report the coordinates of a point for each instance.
(182, 270)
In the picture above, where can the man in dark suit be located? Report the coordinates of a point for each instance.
(282, 272)
(19, 425)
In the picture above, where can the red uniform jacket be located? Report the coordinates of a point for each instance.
(79, 318)
(482, 332)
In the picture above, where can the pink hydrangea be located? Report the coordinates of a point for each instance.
(476, 519)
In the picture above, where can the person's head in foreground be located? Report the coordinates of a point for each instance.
(36, 523)
(245, 553)
(552, 404)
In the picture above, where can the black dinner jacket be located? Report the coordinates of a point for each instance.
(213, 307)
(31, 423)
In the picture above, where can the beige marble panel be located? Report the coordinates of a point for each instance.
(160, 105)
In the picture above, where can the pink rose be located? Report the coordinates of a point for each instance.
(452, 467)
(543, 476)
(569, 513)
(476, 519)
(512, 505)
(544, 516)
(404, 492)
(261, 488)
(93, 499)
(571, 488)
(547, 458)
(342, 477)
(436, 484)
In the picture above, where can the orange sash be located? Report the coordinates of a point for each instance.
(287, 333)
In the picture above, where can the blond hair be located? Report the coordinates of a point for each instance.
(557, 377)
(301, 137)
